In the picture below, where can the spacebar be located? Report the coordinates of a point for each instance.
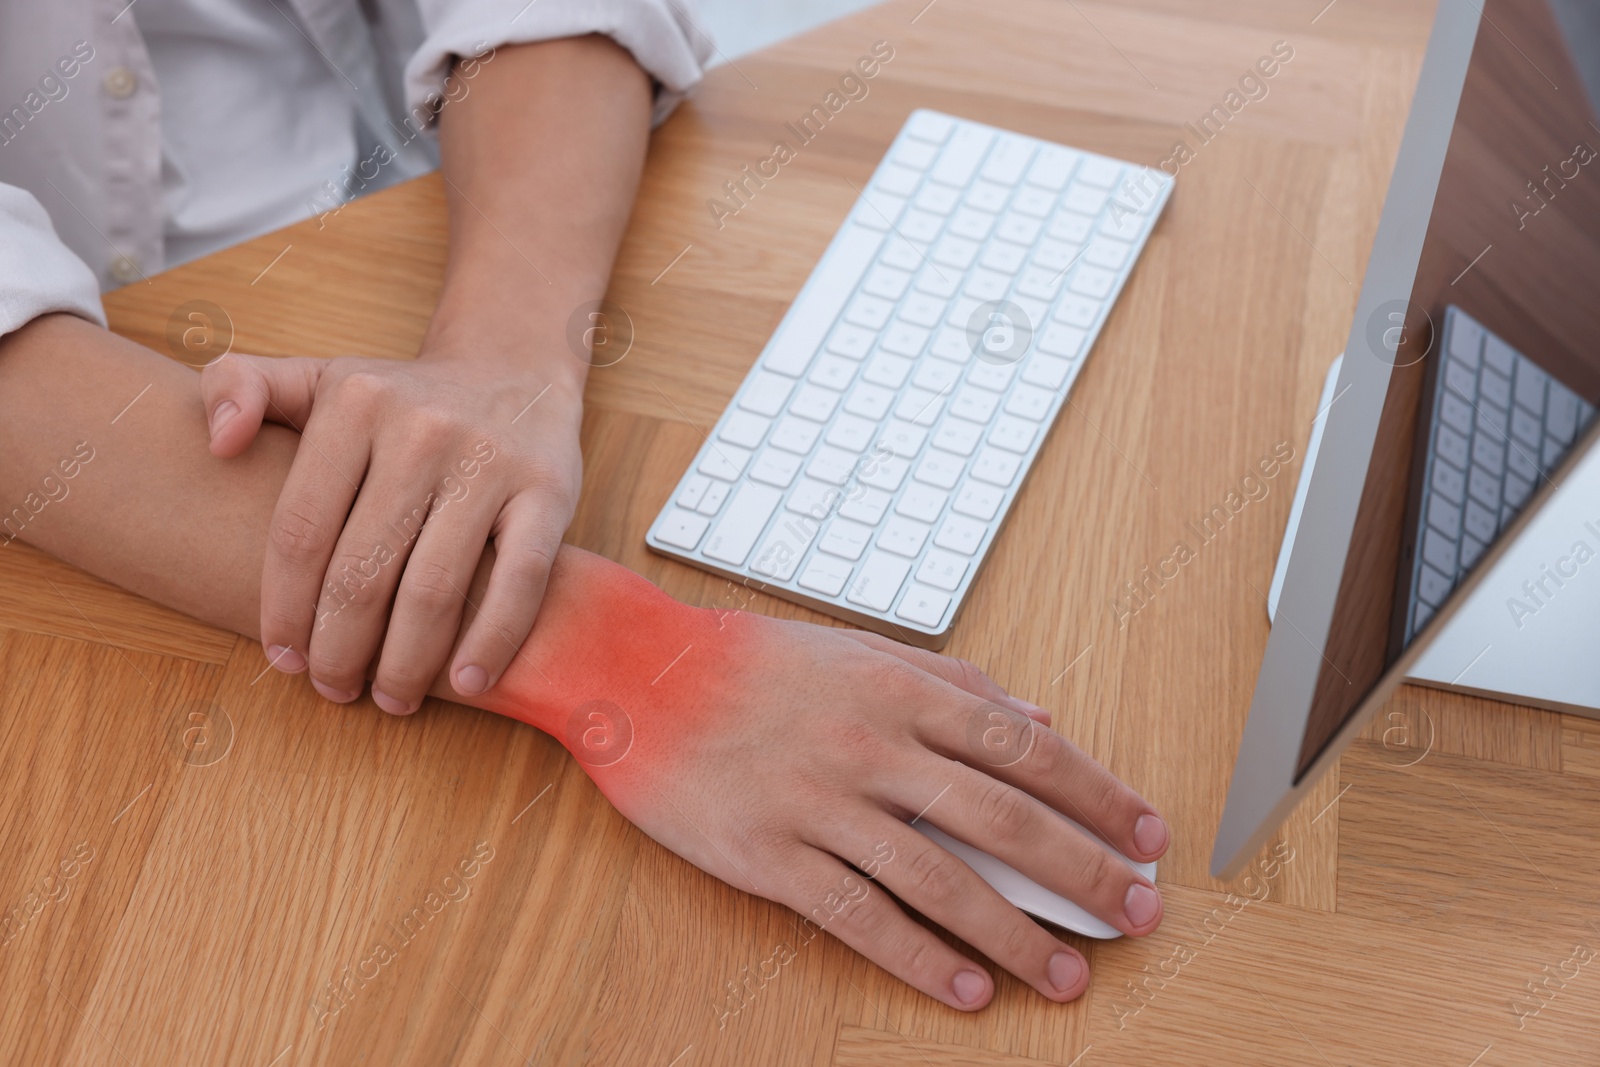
(819, 303)
(742, 523)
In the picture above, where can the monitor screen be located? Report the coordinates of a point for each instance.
(1495, 350)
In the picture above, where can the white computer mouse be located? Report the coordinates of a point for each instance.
(1027, 894)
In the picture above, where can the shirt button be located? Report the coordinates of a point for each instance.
(121, 83)
(126, 270)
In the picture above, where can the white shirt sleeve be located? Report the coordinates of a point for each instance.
(662, 35)
(39, 274)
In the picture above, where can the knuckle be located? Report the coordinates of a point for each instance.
(1016, 939)
(1099, 873)
(965, 673)
(897, 680)
(1005, 811)
(331, 668)
(933, 877)
(298, 532)
(430, 588)
(1047, 753)
(918, 952)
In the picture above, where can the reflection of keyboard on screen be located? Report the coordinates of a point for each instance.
(1499, 425)
(866, 464)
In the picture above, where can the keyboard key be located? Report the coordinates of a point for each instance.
(923, 606)
(1526, 430)
(694, 487)
(1452, 445)
(921, 227)
(1562, 419)
(1479, 521)
(971, 224)
(1013, 434)
(1076, 310)
(900, 254)
(938, 283)
(869, 311)
(991, 376)
(1471, 551)
(1492, 420)
(903, 536)
(1554, 451)
(878, 580)
(960, 535)
(939, 199)
(1046, 371)
(832, 465)
(1092, 282)
(902, 438)
(1444, 516)
(1019, 229)
(1108, 252)
(869, 401)
(929, 126)
(1039, 283)
(715, 494)
(995, 466)
(1056, 256)
(1033, 201)
(922, 502)
(852, 433)
(1062, 340)
(814, 402)
(1494, 388)
(775, 468)
(817, 307)
(877, 210)
(812, 498)
(1466, 340)
(682, 529)
(833, 372)
(1520, 463)
(724, 461)
(887, 370)
(1071, 227)
(942, 570)
(1008, 159)
(1486, 451)
(904, 339)
(887, 282)
(1530, 386)
(896, 180)
(974, 404)
(826, 575)
(987, 196)
(865, 505)
(958, 436)
(850, 341)
(1499, 355)
(742, 523)
(846, 539)
(884, 472)
(795, 435)
(1433, 587)
(952, 344)
(924, 309)
(920, 407)
(957, 252)
(784, 546)
(918, 155)
(961, 156)
(1004, 258)
(1084, 199)
(1461, 378)
(1099, 171)
(936, 376)
(940, 469)
(1455, 412)
(765, 394)
(1420, 616)
(1439, 551)
(978, 500)
(1052, 166)
(1450, 482)
(1485, 486)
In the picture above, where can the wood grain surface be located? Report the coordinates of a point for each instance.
(236, 845)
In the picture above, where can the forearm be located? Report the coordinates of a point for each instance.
(154, 512)
(542, 159)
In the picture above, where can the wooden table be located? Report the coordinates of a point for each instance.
(235, 844)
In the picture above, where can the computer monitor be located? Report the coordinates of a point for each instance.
(1465, 394)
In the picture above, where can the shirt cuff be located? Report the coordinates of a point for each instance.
(39, 274)
(661, 35)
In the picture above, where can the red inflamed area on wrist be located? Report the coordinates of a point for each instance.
(618, 671)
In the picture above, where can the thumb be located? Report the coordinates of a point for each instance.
(241, 392)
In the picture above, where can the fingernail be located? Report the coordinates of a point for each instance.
(222, 415)
(471, 679)
(1028, 708)
(968, 987)
(390, 704)
(338, 696)
(286, 660)
(1150, 834)
(1141, 904)
(1066, 969)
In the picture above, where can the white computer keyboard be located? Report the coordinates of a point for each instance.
(866, 464)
